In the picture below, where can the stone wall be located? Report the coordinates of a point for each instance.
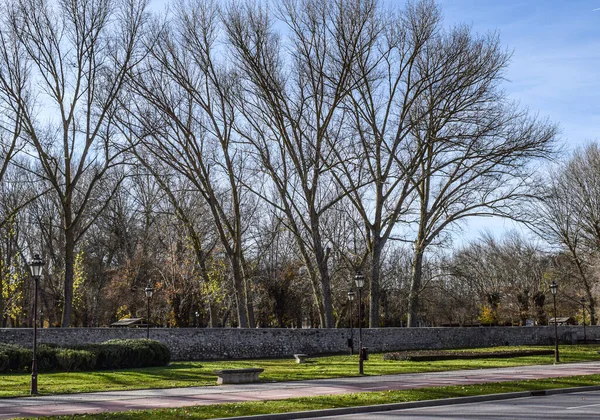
(225, 343)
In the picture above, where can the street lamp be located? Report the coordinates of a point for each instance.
(149, 291)
(197, 319)
(554, 289)
(351, 295)
(583, 302)
(36, 265)
(359, 279)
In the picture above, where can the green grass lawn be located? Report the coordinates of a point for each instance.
(346, 400)
(185, 374)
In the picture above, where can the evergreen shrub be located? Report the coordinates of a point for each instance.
(112, 354)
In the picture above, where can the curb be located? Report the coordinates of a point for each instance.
(413, 404)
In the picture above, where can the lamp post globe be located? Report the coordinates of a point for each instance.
(35, 266)
(359, 280)
(554, 290)
(149, 291)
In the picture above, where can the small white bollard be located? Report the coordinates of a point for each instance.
(300, 358)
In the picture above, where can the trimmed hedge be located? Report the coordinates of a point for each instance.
(432, 355)
(112, 354)
(18, 359)
(118, 354)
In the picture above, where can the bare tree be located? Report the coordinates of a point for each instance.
(375, 164)
(567, 214)
(509, 272)
(292, 104)
(478, 145)
(184, 93)
(77, 54)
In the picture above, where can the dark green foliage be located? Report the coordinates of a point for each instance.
(19, 358)
(3, 362)
(46, 357)
(119, 353)
(70, 360)
(113, 354)
(430, 355)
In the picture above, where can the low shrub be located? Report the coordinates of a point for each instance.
(46, 357)
(3, 362)
(128, 353)
(70, 360)
(113, 354)
(18, 358)
(432, 355)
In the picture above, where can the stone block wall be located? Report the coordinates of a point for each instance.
(232, 343)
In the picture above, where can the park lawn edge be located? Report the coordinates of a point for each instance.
(361, 399)
(279, 370)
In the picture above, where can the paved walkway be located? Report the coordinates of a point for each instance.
(96, 402)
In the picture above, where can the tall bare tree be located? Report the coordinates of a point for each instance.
(77, 54)
(185, 93)
(568, 215)
(478, 146)
(293, 92)
(375, 164)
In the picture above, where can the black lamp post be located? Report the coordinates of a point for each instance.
(359, 279)
(41, 318)
(197, 319)
(351, 295)
(36, 265)
(582, 301)
(553, 290)
(149, 291)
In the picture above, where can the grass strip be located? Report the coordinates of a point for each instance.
(187, 374)
(346, 400)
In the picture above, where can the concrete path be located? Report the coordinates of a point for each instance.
(179, 397)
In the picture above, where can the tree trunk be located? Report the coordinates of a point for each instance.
(249, 306)
(328, 320)
(68, 286)
(592, 307)
(239, 293)
(211, 315)
(316, 284)
(2, 319)
(415, 287)
(325, 282)
(374, 284)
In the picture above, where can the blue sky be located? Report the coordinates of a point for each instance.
(555, 66)
(556, 56)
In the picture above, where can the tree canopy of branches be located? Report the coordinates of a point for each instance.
(568, 215)
(66, 68)
(332, 135)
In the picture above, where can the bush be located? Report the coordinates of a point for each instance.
(138, 353)
(3, 362)
(113, 354)
(127, 353)
(46, 357)
(18, 358)
(70, 360)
